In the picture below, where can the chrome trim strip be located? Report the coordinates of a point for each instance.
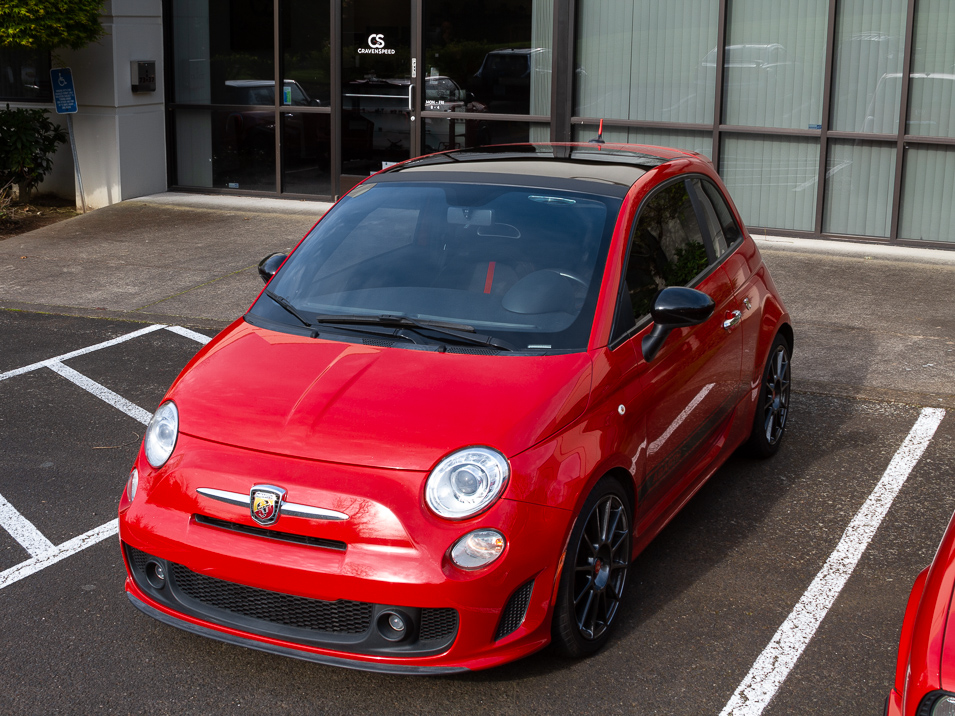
(291, 509)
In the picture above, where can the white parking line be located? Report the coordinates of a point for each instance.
(22, 530)
(81, 351)
(54, 555)
(772, 667)
(198, 337)
(101, 392)
(43, 552)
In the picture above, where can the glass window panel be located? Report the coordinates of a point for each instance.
(932, 82)
(306, 153)
(723, 227)
(497, 53)
(775, 63)
(666, 249)
(458, 133)
(859, 180)
(928, 185)
(646, 60)
(241, 146)
(223, 52)
(701, 142)
(25, 75)
(376, 85)
(306, 48)
(870, 39)
(772, 179)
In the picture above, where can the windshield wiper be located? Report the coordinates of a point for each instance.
(284, 303)
(461, 331)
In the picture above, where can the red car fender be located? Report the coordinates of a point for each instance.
(905, 643)
(922, 670)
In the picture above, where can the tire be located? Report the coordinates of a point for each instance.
(772, 406)
(595, 571)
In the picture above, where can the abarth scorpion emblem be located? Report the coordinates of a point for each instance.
(266, 503)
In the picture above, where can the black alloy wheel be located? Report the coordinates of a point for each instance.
(772, 408)
(594, 572)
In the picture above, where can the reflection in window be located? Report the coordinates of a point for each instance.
(25, 75)
(306, 43)
(866, 90)
(646, 60)
(666, 249)
(458, 133)
(496, 55)
(774, 63)
(932, 82)
(859, 179)
(719, 219)
(928, 212)
(223, 51)
(241, 146)
(306, 153)
(773, 180)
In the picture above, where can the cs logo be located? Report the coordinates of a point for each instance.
(376, 41)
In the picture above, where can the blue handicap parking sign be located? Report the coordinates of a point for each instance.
(64, 95)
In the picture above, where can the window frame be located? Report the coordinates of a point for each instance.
(713, 262)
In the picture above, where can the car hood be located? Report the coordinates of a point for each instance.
(365, 405)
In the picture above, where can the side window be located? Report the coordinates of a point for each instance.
(726, 232)
(666, 249)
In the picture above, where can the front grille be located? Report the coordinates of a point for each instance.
(342, 625)
(341, 617)
(514, 611)
(270, 534)
(437, 624)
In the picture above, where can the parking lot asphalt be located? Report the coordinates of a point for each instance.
(874, 348)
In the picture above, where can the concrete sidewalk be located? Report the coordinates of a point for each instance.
(871, 321)
(167, 258)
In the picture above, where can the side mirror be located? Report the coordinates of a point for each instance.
(675, 307)
(269, 265)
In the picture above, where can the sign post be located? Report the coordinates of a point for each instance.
(64, 99)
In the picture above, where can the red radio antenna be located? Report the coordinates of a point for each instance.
(600, 135)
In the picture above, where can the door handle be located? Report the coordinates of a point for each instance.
(732, 320)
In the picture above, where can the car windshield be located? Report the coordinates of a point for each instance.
(520, 265)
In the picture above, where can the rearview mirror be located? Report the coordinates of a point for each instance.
(675, 307)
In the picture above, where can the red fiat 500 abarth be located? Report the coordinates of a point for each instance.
(471, 395)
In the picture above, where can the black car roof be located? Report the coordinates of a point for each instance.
(613, 167)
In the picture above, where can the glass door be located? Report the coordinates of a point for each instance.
(378, 107)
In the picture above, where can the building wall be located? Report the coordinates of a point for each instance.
(120, 135)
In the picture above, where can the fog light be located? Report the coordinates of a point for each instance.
(478, 549)
(155, 575)
(393, 626)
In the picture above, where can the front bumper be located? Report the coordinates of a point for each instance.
(323, 598)
(239, 640)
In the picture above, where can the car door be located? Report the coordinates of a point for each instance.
(688, 392)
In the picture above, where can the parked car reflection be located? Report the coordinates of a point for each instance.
(931, 105)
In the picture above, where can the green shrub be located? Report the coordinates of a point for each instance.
(28, 140)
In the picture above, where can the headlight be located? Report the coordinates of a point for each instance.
(161, 434)
(477, 549)
(466, 482)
